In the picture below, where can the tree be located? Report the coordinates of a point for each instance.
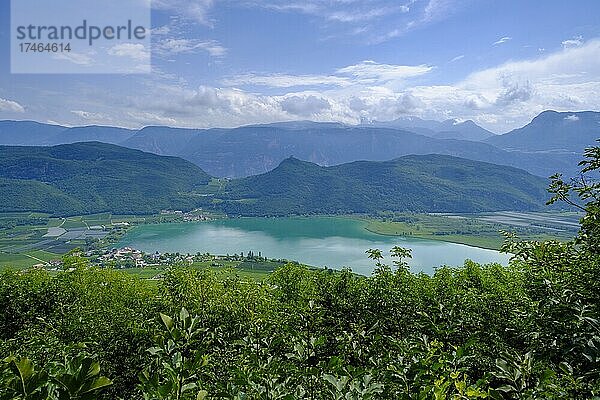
(587, 188)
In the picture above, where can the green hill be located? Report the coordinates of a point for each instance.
(94, 177)
(431, 183)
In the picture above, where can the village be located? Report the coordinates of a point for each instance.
(128, 258)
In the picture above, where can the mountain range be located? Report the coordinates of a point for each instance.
(553, 132)
(552, 142)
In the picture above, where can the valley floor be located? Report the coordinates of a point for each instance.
(34, 239)
(478, 230)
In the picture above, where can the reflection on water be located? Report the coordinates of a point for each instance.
(318, 241)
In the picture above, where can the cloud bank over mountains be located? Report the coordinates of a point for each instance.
(498, 96)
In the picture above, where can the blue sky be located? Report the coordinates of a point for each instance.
(233, 62)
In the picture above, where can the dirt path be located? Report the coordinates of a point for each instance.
(35, 258)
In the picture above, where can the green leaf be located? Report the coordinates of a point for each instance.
(168, 321)
(202, 395)
(25, 368)
(188, 386)
(99, 383)
(184, 314)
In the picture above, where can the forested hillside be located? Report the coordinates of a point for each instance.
(94, 177)
(430, 183)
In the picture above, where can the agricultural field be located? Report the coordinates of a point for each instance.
(28, 239)
(479, 230)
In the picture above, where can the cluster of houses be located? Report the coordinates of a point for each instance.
(195, 215)
(128, 257)
(121, 258)
(52, 265)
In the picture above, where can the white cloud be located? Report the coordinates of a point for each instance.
(90, 116)
(370, 71)
(572, 117)
(364, 73)
(77, 58)
(574, 42)
(11, 106)
(433, 11)
(436, 10)
(285, 80)
(362, 19)
(514, 92)
(374, 13)
(457, 58)
(306, 7)
(567, 66)
(136, 51)
(343, 11)
(502, 40)
(146, 118)
(203, 106)
(196, 10)
(173, 46)
(305, 106)
(161, 30)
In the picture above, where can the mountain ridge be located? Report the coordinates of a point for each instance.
(255, 149)
(553, 131)
(448, 129)
(96, 177)
(424, 183)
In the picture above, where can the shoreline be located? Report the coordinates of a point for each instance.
(433, 237)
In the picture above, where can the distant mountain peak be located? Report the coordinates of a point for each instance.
(454, 128)
(569, 131)
(294, 161)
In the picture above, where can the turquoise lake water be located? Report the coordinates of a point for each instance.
(319, 241)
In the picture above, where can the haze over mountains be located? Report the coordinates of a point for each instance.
(552, 142)
(97, 177)
(449, 129)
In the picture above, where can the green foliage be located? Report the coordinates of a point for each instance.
(174, 374)
(587, 188)
(75, 379)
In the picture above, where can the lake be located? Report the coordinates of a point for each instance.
(319, 241)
